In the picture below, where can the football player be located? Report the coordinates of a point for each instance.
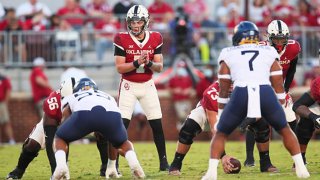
(206, 111)
(278, 37)
(137, 55)
(257, 92)
(307, 107)
(90, 110)
(43, 133)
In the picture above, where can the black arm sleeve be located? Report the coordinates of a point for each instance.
(50, 131)
(304, 100)
(290, 74)
(158, 50)
(119, 52)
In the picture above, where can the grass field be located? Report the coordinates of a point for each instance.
(85, 162)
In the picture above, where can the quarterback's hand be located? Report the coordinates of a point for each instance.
(226, 164)
(112, 172)
(288, 100)
(143, 58)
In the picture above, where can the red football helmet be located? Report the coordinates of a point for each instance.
(315, 89)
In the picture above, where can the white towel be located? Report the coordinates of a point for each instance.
(254, 110)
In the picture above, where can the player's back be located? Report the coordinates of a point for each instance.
(86, 100)
(249, 64)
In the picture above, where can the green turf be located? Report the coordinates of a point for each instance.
(85, 162)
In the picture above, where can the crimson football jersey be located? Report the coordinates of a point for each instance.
(133, 49)
(290, 52)
(210, 97)
(52, 106)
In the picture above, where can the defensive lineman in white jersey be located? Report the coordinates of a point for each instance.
(90, 110)
(251, 67)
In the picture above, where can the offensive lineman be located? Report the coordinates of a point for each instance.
(252, 95)
(137, 55)
(43, 134)
(207, 110)
(307, 107)
(90, 110)
(278, 37)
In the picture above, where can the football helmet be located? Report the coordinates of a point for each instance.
(245, 32)
(137, 13)
(315, 89)
(85, 84)
(278, 34)
(67, 86)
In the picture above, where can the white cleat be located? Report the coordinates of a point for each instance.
(61, 173)
(302, 172)
(137, 172)
(209, 176)
(112, 173)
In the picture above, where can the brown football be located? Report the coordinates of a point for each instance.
(236, 166)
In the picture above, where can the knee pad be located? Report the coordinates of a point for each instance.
(304, 130)
(261, 131)
(189, 130)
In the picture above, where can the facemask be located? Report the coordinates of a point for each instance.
(207, 73)
(182, 72)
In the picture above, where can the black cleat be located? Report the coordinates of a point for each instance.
(270, 168)
(15, 174)
(103, 169)
(249, 163)
(175, 169)
(164, 166)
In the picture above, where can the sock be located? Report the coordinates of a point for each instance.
(131, 158)
(298, 160)
(25, 158)
(102, 146)
(213, 169)
(178, 157)
(213, 164)
(60, 157)
(250, 141)
(111, 163)
(158, 138)
(264, 156)
(303, 154)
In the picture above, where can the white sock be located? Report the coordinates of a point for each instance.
(60, 157)
(131, 158)
(213, 164)
(298, 161)
(111, 163)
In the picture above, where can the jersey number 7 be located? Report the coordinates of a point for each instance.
(255, 54)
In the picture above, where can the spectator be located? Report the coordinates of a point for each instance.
(96, 8)
(222, 12)
(121, 8)
(266, 20)
(304, 15)
(161, 12)
(5, 91)
(257, 7)
(206, 81)
(311, 75)
(40, 86)
(2, 12)
(55, 22)
(31, 8)
(202, 48)
(284, 11)
(73, 13)
(104, 31)
(180, 86)
(235, 16)
(195, 9)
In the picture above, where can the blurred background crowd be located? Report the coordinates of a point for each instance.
(64, 33)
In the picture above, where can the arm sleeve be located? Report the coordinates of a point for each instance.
(290, 74)
(304, 100)
(119, 52)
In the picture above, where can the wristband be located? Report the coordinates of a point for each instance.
(149, 64)
(281, 95)
(136, 64)
(223, 154)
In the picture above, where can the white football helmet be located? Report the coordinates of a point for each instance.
(137, 13)
(67, 86)
(278, 34)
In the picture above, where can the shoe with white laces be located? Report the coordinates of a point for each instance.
(112, 173)
(210, 176)
(302, 172)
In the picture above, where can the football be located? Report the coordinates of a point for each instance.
(236, 164)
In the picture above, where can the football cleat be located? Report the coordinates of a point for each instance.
(175, 169)
(164, 166)
(249, 163)
(15, 174)
(210, 176)
(271, 169)
(137, 172)
(61, 173)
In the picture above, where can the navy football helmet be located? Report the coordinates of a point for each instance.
(85, 84)
(245, 32)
